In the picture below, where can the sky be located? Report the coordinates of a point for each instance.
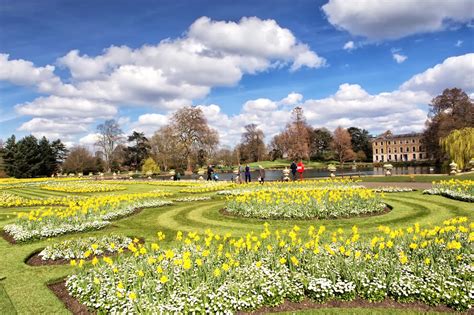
(67, 66)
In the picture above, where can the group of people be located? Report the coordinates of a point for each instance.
(294, 167)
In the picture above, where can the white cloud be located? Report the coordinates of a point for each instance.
(378, 20)
(59, 107)
(349, 46)
(65, 129)
(452, 72)
(459, 43)
(292, 99)
(261, 105)
(399, 58)
(89, 140)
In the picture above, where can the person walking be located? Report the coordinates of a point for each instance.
(248, 179)
(262, 174)
(210, 170)
(241, 173)
(293, 168)
(300, 169)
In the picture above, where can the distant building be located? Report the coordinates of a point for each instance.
(388, 147)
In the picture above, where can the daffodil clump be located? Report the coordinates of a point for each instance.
(454, 188)
(302, 203)
(82, 187)
(8, 200)
(208, 187)
(80, 215)
(214, 273)
(83, 248)
(180, 183)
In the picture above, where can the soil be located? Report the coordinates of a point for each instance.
(307, 304)
(34, 259)
(7, 237)
(71, 303)
(386, 210)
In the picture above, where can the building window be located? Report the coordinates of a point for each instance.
(389, 142)
(394, 150)
(414, 149)
(389, 157)
(376, 151)
(414, 156)
(376, 157)
(421, 155)
(413, 140)
(381, 143)
(381, 151)
(389, 150)
(406, 141)
(396, 157)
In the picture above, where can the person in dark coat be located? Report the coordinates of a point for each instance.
(248, 179)
(293, 168)
(210, 170)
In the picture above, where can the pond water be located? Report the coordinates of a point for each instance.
(271, 175)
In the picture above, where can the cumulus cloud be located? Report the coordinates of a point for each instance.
(452, 72)
(54, 106)
(399, 58)
(349, 46)
(378, 20)
(292, 99)
(65, 129)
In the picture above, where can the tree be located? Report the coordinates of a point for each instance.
(166, 149)
(138, 152)
(321, 144)
(192, 131)
(150, 166)
(252, 147)
(9, 150)
(27, 158)
(109, 136)
(360, 141)
(453, 109)
(459, 144)
(80, 160)
(341, 144)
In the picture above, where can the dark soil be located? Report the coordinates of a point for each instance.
(307, 304)
(71, 303)
(386, 210)
(35, 259)
(7, 237)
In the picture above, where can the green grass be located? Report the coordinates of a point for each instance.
(415, 178)
(24, 287)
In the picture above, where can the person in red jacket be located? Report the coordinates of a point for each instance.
(300, 169)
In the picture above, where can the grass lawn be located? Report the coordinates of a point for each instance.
(24, 290)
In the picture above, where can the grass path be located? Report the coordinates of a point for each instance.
(24, 288)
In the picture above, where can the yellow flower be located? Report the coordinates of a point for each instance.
(73, 262)
(155, 246)
(169, 254)
(258, 264)
(95, 261)
(217, 272)
(94, 246)
(163, 279)
(427, 261)
(120, 285)
(96, 281)
(159, 269)
(282, 260)
(132, 296)
(187, 264)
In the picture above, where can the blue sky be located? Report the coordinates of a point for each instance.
(372, 64)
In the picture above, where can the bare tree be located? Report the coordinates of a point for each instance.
(341, 144)
(252, 147)
(109, 136)
(166, 149)
(79, 159)
(194, 134)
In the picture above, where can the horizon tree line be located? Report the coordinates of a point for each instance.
(187, 143)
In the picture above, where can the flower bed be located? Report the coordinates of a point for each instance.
(82, 187)
(220, 274)
(392, 189)
(83, 248)
(11, 200)
(83, 215)
(462, 190)
(208, 187)
(303, 203)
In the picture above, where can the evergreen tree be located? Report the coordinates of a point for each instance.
(27, 158)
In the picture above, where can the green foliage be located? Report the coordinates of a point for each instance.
(459, 144)
(150, 166)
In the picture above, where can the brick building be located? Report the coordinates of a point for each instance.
(388, 147)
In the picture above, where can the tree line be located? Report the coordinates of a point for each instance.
(187, 142)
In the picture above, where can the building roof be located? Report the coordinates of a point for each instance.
(387, 135)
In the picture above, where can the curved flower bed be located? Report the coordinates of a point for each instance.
(220, 274)
(462, 190)
(82, 215)
(82, 187)
(83, 248)
(11, 200)
(303, 203)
